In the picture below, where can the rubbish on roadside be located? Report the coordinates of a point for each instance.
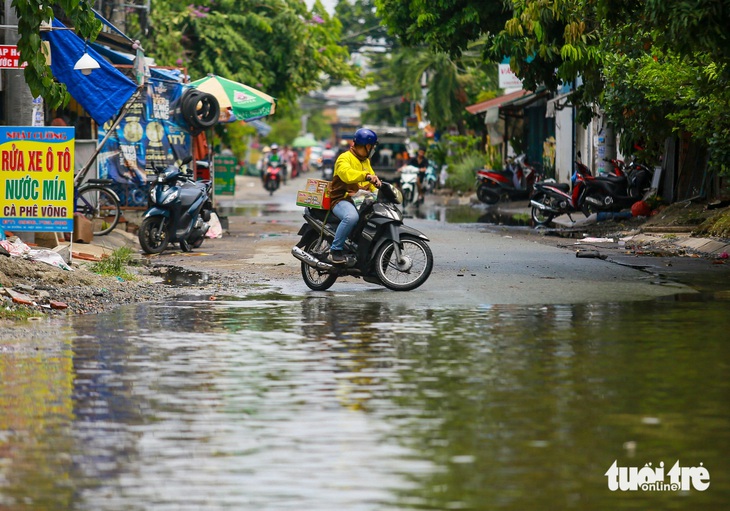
(590, 254)
(49, 257)
(608, 215)
(595, 240)
(15, 248)
(215, 229)
(20, 298)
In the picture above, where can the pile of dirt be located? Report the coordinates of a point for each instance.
(41, 288)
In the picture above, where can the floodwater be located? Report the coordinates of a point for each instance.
(322, 401)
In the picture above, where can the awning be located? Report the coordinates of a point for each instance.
(557, 103)
(478, 108)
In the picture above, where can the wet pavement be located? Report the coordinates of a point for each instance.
(267, 396)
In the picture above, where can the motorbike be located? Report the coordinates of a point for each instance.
(328, 169)
(619, 190)
(179, 210)
(273, 176)
(380, 250)
(550, 198)
(409, 184)
(515, 182)
(431, 179)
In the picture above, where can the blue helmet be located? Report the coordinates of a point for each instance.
(364, 136)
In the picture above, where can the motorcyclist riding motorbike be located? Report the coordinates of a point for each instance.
(328, 162)
(273, 157)
(352, 173)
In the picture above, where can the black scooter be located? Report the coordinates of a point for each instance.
(380, 249)
(617, 191)
(179, 210)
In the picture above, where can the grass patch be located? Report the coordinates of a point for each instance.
(718, 225)
(115, 265)
(17, 313)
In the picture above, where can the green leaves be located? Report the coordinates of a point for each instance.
(277, 46)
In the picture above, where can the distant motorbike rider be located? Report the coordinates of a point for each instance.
(328, 155)
(352, 173)
(421, 163)
(273, 158)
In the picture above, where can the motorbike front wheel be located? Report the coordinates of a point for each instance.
(315, 279)
(411, 271)
(154, 234)
(488, 194)
(539, 216)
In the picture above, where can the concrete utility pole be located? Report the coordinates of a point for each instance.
(18, 99)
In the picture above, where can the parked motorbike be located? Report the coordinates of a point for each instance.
(550, 198)
(619, 190)
(515, 182)
(409, 184)
(380, 250)
(272, 176)
(179, 210)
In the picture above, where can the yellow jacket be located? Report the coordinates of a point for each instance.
(349, 177)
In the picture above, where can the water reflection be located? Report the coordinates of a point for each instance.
(268, 401)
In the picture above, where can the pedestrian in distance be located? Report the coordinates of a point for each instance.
(353, 173)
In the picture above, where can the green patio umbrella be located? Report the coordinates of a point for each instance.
(304, 142)
(245, 102)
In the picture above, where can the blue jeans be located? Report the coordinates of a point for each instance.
(347, 213)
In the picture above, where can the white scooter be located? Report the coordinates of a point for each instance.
(409, 184)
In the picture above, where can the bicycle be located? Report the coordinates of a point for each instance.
(101, 205)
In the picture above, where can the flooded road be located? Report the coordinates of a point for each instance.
(267, 401)
(510, 395)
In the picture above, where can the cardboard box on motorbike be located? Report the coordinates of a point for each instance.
(315, 194)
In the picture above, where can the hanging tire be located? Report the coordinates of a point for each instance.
(413, 269)
(154, 234)
(488, 194)
(539, 216)
(315, 279)
(200, 109)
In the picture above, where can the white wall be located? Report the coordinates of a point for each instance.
(563, 144)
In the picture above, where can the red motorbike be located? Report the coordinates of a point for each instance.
(550, 198)
(515, 182)
(272, 176)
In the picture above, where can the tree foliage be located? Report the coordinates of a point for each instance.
(277, 45)
(31, 14)
(444, 25)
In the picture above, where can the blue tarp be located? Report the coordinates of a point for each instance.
(118, 57)
(103, 92)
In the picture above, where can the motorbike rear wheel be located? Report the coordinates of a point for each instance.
(488, 194)
(272, 185)
(413, 269)
(154, 234)
(317, 280)
(540, 217)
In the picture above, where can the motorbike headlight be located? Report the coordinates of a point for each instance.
(171, 197)
(398, 196)
(153, 194)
